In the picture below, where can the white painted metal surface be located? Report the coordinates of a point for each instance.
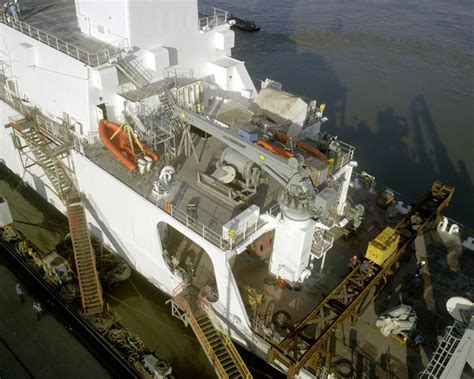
(172, 42)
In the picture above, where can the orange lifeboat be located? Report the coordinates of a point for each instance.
(123, 144)
(275, 149)
(282, 137)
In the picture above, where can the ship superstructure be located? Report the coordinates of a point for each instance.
(231, 193)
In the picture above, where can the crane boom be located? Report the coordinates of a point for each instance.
(353, 291)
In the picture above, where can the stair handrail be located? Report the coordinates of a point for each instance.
(58, 164)
(205, 305)
(236, 356)
(179, 288)
(201, 337)
(141, 69)
(73, 198)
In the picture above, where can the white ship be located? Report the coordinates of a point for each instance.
(210, 187)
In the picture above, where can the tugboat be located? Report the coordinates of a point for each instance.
(246, 25)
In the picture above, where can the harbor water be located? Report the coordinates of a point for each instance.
(397, 78)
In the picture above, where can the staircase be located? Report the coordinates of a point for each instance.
(89, 285)
(444, 352)
(46, 159)
(167, 103)
(218, 347)
(134, 71)
(222, 350)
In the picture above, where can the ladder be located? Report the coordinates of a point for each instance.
(134, 71)
(167, 103)
(46, 159)
(178, 126)
(443, 353)
(218, 347)
(84, 256)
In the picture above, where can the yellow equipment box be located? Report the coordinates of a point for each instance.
(384, 245)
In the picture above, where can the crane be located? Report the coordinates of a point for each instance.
(305, 345)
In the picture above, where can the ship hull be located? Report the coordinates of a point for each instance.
(127, 223)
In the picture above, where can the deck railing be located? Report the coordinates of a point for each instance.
(344, 157)
(212, 17)
(91, 59)
(208, 234)
(56, 132)
(326, 242)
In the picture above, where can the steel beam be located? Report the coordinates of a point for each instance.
(300, 349)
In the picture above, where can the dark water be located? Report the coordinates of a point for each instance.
(397, 77)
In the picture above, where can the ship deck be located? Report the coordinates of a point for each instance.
(446, 274)
(211, 211)
(58, 20)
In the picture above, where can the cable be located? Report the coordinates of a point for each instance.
(57, 226)
(149, 316)
(343, 367)
(10, 234)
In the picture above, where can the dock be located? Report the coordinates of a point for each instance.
(38, 349)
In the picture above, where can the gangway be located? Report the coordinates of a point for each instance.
(217, 345)
(45, 157)
(305, 345)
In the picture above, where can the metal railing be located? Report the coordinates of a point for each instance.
(446, 348)
(274, 210)
(319, 248)
(208, 234)
(56, 132)
(136, 65)
(91, 59)
(194, 225)
(344, 156)
(179, 73)
(212, 17)
(203, 302)
(179, 288)
(183, 303)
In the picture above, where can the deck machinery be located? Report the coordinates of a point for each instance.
(305, 345)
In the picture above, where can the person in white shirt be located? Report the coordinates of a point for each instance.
(38, 310)
(20, 293)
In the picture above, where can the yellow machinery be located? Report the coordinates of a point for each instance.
(306, 344)
(383, 246)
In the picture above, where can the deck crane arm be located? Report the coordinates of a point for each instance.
(305, 345)
(289, 172)
(280, 168)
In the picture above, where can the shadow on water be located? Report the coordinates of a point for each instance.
(403, 152)
(409, 169)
